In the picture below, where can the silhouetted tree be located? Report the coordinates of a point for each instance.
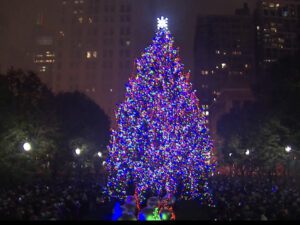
(268, 125)
(84, 125)
(26, 116)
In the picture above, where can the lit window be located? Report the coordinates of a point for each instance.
(43, 69)
(273, 29)
(217, 52)
(223, 65)
(257, 27)
(285, 13)
(88, 55)
(246, 65)
(90, 20)
(236, 52)
(80, 20)
(280, 40)
(95, 54)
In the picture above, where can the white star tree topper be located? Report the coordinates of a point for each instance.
(162, 23)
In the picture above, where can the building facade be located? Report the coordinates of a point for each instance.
(43, 50)
(224, 63)
(93, 49)
(277, 31)
(224, 53)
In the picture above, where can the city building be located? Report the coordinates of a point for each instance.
(229, 98)
(43, 51)
(277, 31)
(224, 53)
(224, 62)
(93, 49)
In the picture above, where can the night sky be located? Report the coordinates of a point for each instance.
(18, 16)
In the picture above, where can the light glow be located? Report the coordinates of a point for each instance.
(162, 23)
(288, 149)
(27, 147)
(78, 151)
(247, 152)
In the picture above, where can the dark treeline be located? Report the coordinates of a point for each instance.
(54, 125)
(268, 125)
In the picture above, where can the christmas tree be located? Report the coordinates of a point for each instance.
(161, 145)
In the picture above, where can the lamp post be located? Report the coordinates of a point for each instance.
(231, 166)
(247, 153)
(78, 152)
(288, 149)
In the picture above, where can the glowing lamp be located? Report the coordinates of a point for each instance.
(78, 151)
(27, 147)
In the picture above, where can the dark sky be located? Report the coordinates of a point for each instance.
(17, 17)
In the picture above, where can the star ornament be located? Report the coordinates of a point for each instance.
(162, 23)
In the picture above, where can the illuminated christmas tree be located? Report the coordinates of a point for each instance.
(161, 145)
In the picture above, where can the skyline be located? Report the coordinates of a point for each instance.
(17, 20)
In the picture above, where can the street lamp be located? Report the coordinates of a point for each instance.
(230, 154)
(288, 149)
(78, 151)
(27, 146)
(247, 152)
(100, 154)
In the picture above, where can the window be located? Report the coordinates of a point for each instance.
(91, 54)
(95, 54)
(88, 55)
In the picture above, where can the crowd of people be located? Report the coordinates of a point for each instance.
(236, 198)
(59, 201)
(255, 198)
